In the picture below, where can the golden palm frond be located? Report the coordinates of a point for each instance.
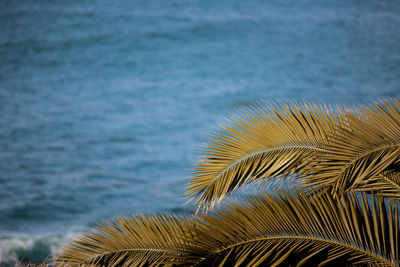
(263, 142)
(131, 241)
(386, 183)
(332, 149)
(292, 229)
(285, 228)
(323, 146)
(362, 154)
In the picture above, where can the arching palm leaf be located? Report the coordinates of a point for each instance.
(334, 150)
(360, 154)
(264, 142)
(292, 228)
(386, 183)
(132, 241)
(343, 150)
(285, 228)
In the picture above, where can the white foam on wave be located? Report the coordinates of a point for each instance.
(16, 248)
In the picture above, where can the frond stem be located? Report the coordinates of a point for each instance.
(166, 251)
(389, 181)
(362, 155)
(234, 163)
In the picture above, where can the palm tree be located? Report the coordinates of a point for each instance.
(344, 162)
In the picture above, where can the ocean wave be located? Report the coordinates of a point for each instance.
(18, 249)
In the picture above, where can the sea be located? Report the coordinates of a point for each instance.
(105, 106)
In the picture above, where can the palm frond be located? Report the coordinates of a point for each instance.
(359, 154)
(386, 183)
(323, 146)
(263, 142)
(283, 228)
(131, 241)
(291, 229)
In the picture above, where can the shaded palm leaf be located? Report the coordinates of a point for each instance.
(285, 228)
(386, 183)
(132, 241)
(361, 152)
(292, 229)
(262, 142)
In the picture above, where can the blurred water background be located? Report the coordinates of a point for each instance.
(104, 106)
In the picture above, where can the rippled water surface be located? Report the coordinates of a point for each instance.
(104, 106)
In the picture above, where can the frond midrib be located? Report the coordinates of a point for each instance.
(365, 154)
(337, 243)
(384, 177)
(161, 251)
(258, 152)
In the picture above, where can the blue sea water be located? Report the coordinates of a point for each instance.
(105, 105)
